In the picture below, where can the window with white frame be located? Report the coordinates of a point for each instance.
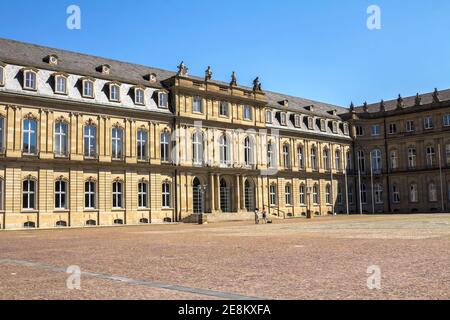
(30, 136)
(361, 160)
(117, 195)
(310, 123)
(300, 157)
(139, 96)
(30, 80)
(412, 157)
(323, 125)
(328, 194)
(297, 121)
(162, 99)
(270, 155)
(90, 138)
(394, 159)
(268, 116)
(166, 195)
(346, 129)
(90, 195)
(61, 195)
(247, 112)
(392, 128)
(165, 146)
(315, 194)
(60, 84)
(29, 194)
(337, 160)
(395, 194)
(409, 126)
(88, 88)
(223, 109)
(224, 150)
(335, 127)
(302, 194)
(197, 104)
(197, 148)
(431, 156)
(428, 123)
(248, 151)
(363, 194)
(283, 118)
(378, 193)
(349, 164)
(326, 159)
(117, 143)
(432, 192)
(313, 158)
(446, 120)
(60, 144)
(143, 195)
(359, 130)
(114, 92)
(376, 130)
(286, 156)
(414, 192)
(273, 195)
(288, 195)
(142, 148)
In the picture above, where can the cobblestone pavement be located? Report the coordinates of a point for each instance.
(326, 258)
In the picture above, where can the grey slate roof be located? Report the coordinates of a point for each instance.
(20, 53)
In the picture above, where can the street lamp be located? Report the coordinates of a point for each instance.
(308, 200)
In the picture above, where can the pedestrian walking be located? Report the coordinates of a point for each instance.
(256, 216)
(264, 215)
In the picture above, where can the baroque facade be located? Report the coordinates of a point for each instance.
(90, 141)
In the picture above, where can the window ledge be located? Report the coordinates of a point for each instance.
(25, 211)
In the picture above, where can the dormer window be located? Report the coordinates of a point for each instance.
(52, 59)
(297, 121)
(283, 118)
(139, 96)
(60, 84)
(2, 74)
(268, 116)
(310, 123)
(322, 125)
(151, 77)
(105, 69)
(162, 99)
(346, 129)
(114, 92)
(88, 88)
(335, 127)
(30, 80)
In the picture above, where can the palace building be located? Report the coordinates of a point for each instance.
(88, 141)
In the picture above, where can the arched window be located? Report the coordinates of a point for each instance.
(376, 160)
(142, 145)
(395, 193)
(286, 156)
(302, 194)
(270, 155)
(414, 192)
(143, 195)
(114, 92)
(224, 146)
(412, 158)
(30, 136)
(197, 196)
(337, 160)
(273, 194)
(61, 194)
(431, 155)
(378, 193)
(117, 195)
(363, 193)
(197, 148)
(394, 159)
(361, 161)
(248, 151)
(90, 195)
(60, 144)
(90, 138)
(225, 196)
(432, 192)
(288, 195)
(117, 143)
(29, 194)
(165, 146)
(326, 159)
(328, 194)
(314, 158)
(300, 157)
(315, 193)
(166, 203)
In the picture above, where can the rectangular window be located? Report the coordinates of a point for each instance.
(447, 154)
(297, 121)
(2, 75)
(428, 123)
(90, 145)
(89, 195)
(61, 85)
(139, 95)
(2, 135)
(88, 89)
(359, 131)
(409, 126)
(166, 195)
(165, 140)
(162, 100)
(247, 113)
(60, 195)
(114, 92)
(310, 123)
(117, 195)
(197, 105)
(60, 146)
(30, 136)
(30, 80)
(376, 130)
(142, 145)
(335, 127)
(117, 143)
(283, 119)
(446, 120)
(268, 116)
(273, 195)
(223, 109)
(29, 195)
(287, 193)
(142, 195)
(392, 128)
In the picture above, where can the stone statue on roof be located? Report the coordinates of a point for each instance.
(233, 79)
(418, 100)
(400, 103)
(257, 85)
(436, 98)
(182, 69)
(208, 74)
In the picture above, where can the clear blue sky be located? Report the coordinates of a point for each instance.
(314, 49)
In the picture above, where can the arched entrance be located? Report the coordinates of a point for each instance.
(249, 195)
(225, 196)
(198, 197)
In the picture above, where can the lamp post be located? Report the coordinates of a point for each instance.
(201, 217)
(309, 214)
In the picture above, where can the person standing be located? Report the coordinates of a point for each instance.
(256, 216)
(264, 215)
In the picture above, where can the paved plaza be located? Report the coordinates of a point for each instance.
(326, 258)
